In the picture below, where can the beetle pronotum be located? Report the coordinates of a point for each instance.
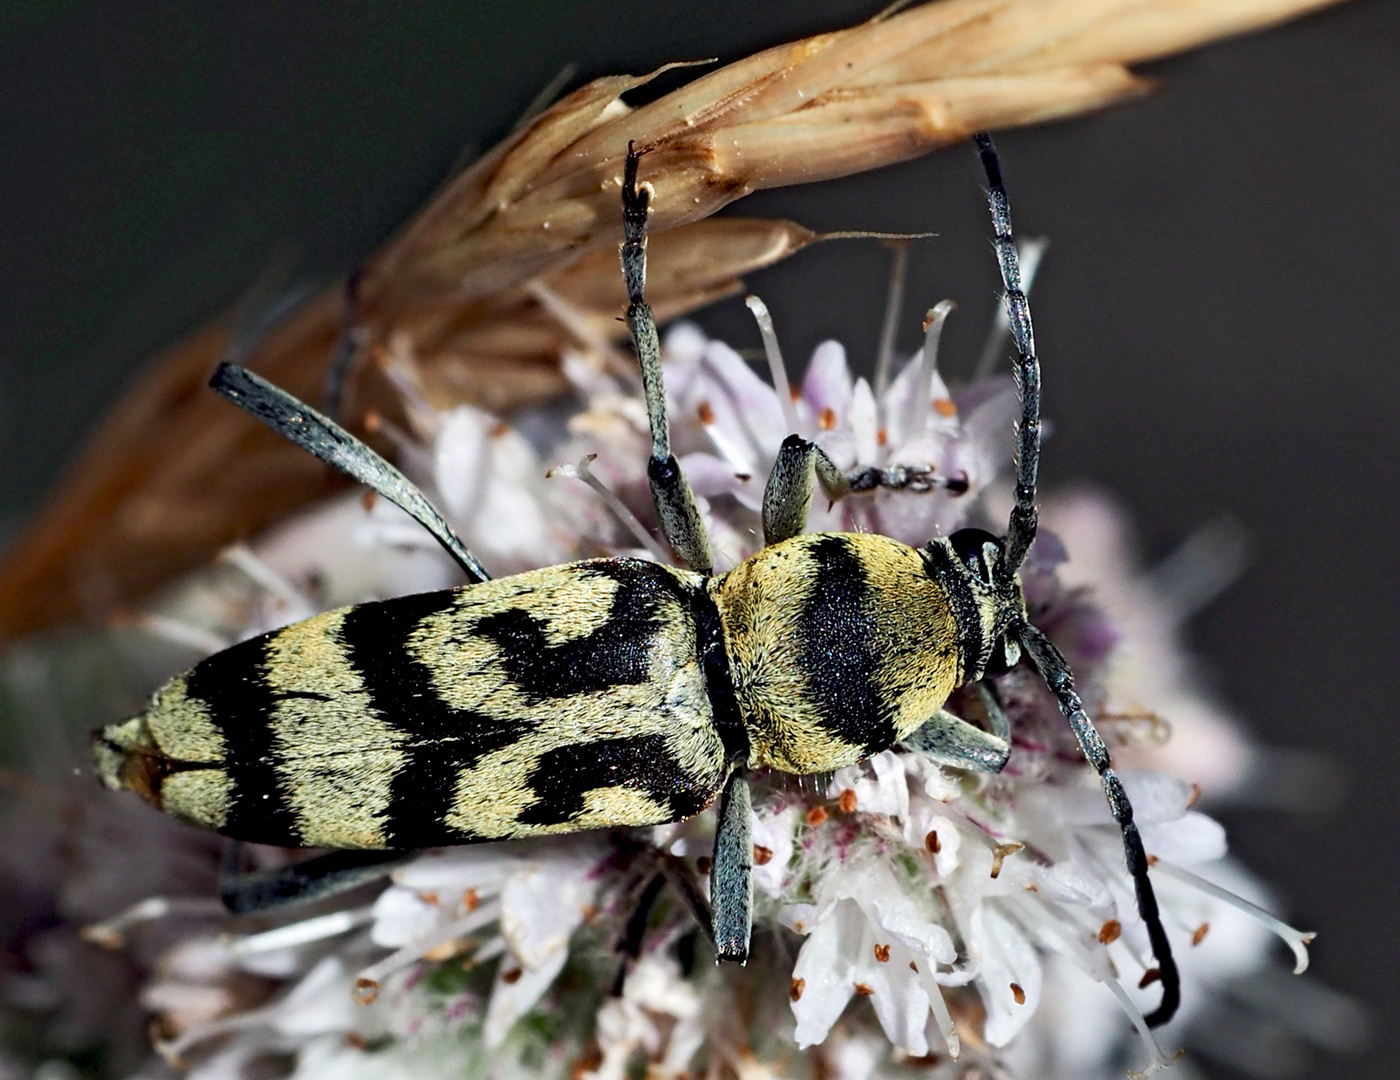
(612, 692)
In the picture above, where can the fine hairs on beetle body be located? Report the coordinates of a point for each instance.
(611, 692)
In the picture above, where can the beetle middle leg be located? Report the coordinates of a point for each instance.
(951, 740)
(675, 502)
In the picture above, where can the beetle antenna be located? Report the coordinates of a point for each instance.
(1020, 530)
(298, 422)
(1055, 671)
(1020, 533)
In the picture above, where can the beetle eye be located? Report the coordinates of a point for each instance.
(978, 550)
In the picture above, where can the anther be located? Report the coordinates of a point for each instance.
(882, 953)
(1110, 931)
(795, 989)
(847, 801)
(1018, 993)
(816, 816)
(1200, 934)
(1000, 852)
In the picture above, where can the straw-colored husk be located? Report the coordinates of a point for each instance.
(476, 280)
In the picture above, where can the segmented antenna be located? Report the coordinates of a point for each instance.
(1020, 530)
(1055, 671)
(298, 422)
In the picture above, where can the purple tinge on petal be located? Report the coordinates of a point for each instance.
(988, 424)
(840, 446)
(972, 396)
(710, 476)
(1047, 552)
(755, 401)
(708, 417)
(903, 420)
(827, 383)
(682, 354)
(1078, 626)
(864, 422)
(684, 342)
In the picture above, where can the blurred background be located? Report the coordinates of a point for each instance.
(1215, 312)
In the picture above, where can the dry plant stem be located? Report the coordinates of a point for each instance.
(174, 474)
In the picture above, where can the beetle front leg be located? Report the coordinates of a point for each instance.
(731, 875)
(951, 740)
(788, 495)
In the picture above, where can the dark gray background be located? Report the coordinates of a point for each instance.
(1215, 313)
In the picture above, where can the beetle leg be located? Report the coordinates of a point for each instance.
(676, 508)
(951, 740)
(629, 945)
(325, 875)
(788, 494)
(731, 875)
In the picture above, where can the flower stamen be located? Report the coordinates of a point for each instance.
(777, 370)
(1297, 940)
(370, 979)
(301, 933)
(619, 509)
(919, 415)
(111, 933)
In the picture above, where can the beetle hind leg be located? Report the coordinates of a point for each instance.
(247, 893)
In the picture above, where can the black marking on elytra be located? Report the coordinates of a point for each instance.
(617, 653)
(441, 740)
(719, 682)
(951, 576)
(837, 650)
(234, 688)
(644, 763)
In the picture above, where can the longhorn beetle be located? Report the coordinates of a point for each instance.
(611, 692)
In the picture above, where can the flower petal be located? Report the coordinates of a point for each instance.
(822, 978)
